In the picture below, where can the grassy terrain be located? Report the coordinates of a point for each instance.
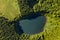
(10, 10)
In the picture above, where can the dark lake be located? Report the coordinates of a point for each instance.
(32, 24)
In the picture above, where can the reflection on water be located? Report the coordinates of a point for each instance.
(32, 24)
(18, 28)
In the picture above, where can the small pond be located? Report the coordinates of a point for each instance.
(32, 24)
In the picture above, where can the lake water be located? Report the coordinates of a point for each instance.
(32, 24)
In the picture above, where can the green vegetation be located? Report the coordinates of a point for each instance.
(10, 9)
(7, 30)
